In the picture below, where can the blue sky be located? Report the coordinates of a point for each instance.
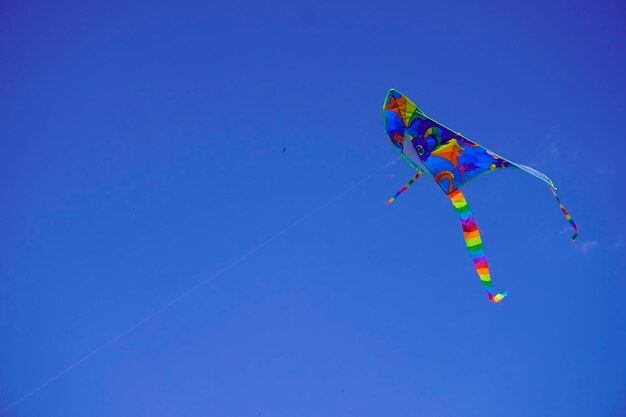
(140, 152)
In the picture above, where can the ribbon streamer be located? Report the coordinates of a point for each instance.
(405, 187)
(474, 243)
(568, 217)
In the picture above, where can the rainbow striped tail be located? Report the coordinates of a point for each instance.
(474, 244)
(405, 187)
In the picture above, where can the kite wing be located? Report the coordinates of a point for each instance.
(452, 160)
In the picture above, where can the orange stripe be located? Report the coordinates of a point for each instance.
(471, 235)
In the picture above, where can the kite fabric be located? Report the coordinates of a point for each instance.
(452, 160)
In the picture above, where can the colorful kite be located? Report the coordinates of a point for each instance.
(452, 160)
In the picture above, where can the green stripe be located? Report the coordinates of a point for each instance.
(475, 248)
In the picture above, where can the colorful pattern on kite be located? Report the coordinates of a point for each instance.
(451, 159)
(474, 243)
(405, 187)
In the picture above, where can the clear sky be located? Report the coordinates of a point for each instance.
(140, 152)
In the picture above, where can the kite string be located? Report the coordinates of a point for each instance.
(192, 289)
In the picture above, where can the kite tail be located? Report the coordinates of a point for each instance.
(568, 217)
(404, 188)
(474, 243)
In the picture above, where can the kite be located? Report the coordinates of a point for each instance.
(452, 160)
